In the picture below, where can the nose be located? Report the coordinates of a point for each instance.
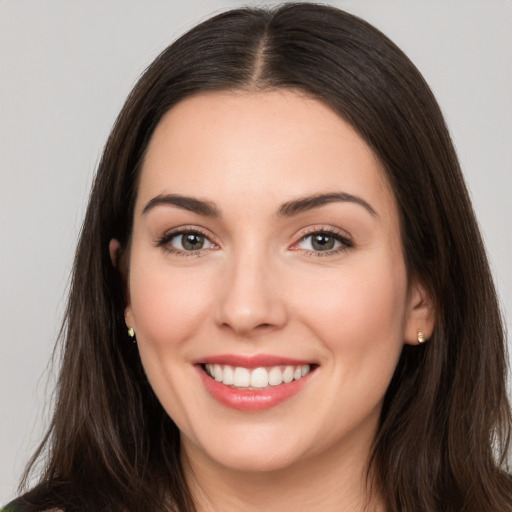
(251, 297)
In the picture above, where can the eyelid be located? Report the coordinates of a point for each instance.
(322, 228)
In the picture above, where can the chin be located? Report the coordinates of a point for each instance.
(253, 452)
(252, 461)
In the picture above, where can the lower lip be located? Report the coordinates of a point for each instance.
(251, 399)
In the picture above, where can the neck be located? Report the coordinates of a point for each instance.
(328, 482)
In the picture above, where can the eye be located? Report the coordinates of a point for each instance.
(189, 241)
(182, 242)
(323, 243)
(319, 242)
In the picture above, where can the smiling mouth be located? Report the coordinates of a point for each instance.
(239, 377)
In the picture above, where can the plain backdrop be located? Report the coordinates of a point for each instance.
(66, 67)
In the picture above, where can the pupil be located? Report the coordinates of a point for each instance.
(322, 242)
(192, 241)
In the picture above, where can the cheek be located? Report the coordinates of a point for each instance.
(359, 311)
(167, 306)
(359, 317)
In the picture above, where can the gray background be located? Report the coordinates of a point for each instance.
(65, 69)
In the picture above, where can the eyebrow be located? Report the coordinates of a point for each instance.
(303, 204)
(288, 209)
(187, 203)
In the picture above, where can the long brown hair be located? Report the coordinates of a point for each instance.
(444, 427)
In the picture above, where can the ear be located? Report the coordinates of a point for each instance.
(118, 260)
(114, 249)
(421, 315)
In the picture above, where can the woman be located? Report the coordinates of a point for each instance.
(280, 225)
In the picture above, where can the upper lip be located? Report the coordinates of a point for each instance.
(253, 361)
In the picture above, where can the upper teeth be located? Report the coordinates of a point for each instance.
(241, 377)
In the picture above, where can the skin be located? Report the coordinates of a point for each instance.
(258, 286)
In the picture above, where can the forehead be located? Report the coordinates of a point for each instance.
(271, 146)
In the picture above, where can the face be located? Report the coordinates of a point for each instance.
(266, 281)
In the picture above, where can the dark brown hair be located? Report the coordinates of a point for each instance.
(444, 427)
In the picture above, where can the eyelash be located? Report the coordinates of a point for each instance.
(346, 243)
